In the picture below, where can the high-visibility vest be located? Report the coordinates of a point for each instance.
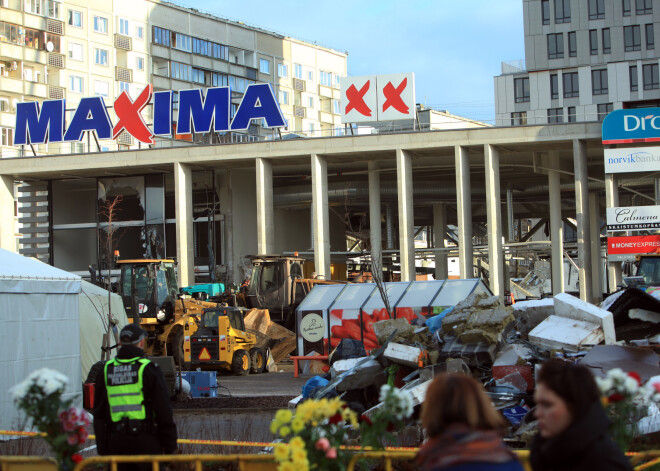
(123, 382)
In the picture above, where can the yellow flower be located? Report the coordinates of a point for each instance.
(297, 443)
(297, 425)
(274, 425)
(298, 455)
(288, 466)
(285, 430)
(281, 451)
(605, 401)
(283, 415)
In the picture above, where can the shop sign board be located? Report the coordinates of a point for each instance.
(39, 123)
(632, 159)
(372, 98)
(633, 218)
(633, 245)
(631, 126)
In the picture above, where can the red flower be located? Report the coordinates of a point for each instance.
(616, 397)
(657, 386)
(76, 458)
(366, 420)
(390, 427)
(335, 419)
(636, 377)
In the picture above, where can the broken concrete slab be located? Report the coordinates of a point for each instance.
(514, 358)
(417, 390)
(603, 358)
(644, 315)
(452, 365)
(529, 314)
(403, 354)
(562, 333)
(574, 308)
(475, 354)
(384, 329)
(355, 373)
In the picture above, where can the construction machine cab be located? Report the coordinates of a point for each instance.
(149, 289)
(235, 316)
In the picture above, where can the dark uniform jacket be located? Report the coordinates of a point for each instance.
(585, 445)
(158, 436)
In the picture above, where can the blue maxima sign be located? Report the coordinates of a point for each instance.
(632, 126)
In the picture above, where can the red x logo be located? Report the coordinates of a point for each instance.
(130, 118)
(356, 99)
(393, 97)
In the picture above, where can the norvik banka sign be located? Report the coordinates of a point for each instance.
(631, 126)
(37, 124)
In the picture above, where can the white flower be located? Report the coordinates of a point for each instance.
(630, 385)
(48, 381)
(604, 384)
(384, 391)
(617, 375)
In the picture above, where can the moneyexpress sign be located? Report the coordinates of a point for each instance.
(632, 126)
(39, 124)
(633, 245)
(633, 218)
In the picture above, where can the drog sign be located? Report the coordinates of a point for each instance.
(39, 124)
(632, 125)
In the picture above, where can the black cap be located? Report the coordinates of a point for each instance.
(131, 334)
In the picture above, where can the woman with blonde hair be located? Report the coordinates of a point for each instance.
(463, 428)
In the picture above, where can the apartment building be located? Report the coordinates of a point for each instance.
(52, 49)
(583, 59)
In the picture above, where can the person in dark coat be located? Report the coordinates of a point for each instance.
(463, 429)
(132, 413)
(572, 423)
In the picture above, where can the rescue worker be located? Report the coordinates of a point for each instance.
(133, 414)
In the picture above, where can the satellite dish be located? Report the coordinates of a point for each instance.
(50, 46)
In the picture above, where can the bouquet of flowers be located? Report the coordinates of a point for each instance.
(377, 428)
(65, 427)
(315, 433)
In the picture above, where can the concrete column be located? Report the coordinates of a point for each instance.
(582, 217)
(556, 224)
(439, 229)
(375, 236)
(509, 215)
(265, 219)
(389, 225)
(656, 185)
(614, 274)
(594, 223)
(320, 216)
(406, 219)
(8, 225)
(494, 219)
(184, 223)
(464, 211)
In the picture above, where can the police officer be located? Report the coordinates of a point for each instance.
(133, 414)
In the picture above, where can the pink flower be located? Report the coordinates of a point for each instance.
(72, 439)
(323, 444)
(68, 426)
(82, 433)
(331, 453)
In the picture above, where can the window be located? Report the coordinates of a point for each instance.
(264, 66)
(34, 6)
(53, 9)
(599, 82)
(198, 76)
(650, 76)
(625, 7)
(545, 11)
(200, 46)
(139, 63)
(219, 80)
(633, 78)
(139, 32)
(4, 104)
(336, 106)
(310, 102)
(75, 18)
(182, 42)
(562, 11)
(75, 84)
(593, 42)
(181, 71)
(325, 78)
(571, 87)
(123, 87)
(284, 97)
(603, 110)
(555, 115)
(571, 114)
(282, 70)
(607, 44)
(75, 51)
(161, 36)
(555, 46)
(554, 86)
(100, 24)
(311, 128)
(596, 9)
(123, 27)
(6, 137)
(310, 75)
(572, 44)
(101, 88)
(631, 38)
(521, 89)
(644, 7)
(100, 56)
(650, 38)
(519, 118)
(335, 80)
(297, 71)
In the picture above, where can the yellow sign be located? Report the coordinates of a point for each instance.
(204, 354)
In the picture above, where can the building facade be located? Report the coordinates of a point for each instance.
(583, 59)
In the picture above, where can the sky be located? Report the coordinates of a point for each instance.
(454, 47)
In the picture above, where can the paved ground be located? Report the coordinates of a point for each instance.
(267, 384)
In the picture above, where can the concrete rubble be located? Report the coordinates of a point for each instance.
(501, 346)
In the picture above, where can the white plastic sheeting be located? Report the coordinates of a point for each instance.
(39, 314)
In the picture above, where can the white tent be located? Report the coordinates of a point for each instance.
(93, 302)
(39, 314)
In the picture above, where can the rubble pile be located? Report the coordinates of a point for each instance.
(501, 346)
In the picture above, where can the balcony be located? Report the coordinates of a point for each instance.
(299, 85)
(55, 26)
(10, 85)
(56, 60)
(122, 74)
(299, 111)
(55, 93)
(123, 42)
(513, 67)
(35, 89)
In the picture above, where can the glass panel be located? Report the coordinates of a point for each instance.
(74, 249)
(155, 199)
(415, 302)
(320, 297)
(453, 292)
(394, 292)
